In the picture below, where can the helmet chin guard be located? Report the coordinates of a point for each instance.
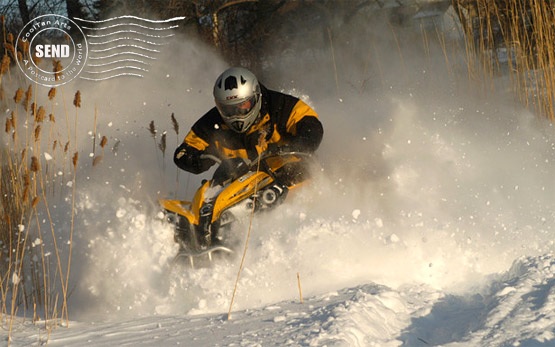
(238, 98)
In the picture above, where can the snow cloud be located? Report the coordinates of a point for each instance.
(423, 179)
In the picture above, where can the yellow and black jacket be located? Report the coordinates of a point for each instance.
(284, 121)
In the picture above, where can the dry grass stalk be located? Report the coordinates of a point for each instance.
(77, 99)
(57, 68)
(11, 50)
(175, 124)
(300, 288)
(526, 29)
(33, 109)
(5, 65)
(8, 125)
(152, 129)
(37, 133)
(28, 98)
(75, 159)
(51, 93)
(25, 194)
(30, 186)
(29, 93)
(18, 95)
(40, 115)
(65, 309)
(97, 160)
(35, 166)
(162, 144)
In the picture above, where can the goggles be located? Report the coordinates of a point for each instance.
(238, 111)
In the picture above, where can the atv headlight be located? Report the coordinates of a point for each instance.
(269, 196)
(171, 218)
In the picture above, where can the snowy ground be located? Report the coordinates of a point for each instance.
(431, 223)
(516, 309)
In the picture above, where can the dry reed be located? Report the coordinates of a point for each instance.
(175, 124)
(300, 288)
(523, 31)
(34, 275)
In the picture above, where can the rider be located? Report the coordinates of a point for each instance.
(249, 119)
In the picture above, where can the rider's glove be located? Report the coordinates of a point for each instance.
(189, 159)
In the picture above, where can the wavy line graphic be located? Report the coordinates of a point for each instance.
(122, 53)
(112, 76)
(120, 61)
(125, 43)
(117, 68)
(131, 24)
(128, 39)
(131, 17)
(124, 46)
(130, 32)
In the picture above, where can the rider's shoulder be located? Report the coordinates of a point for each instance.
(209, 121)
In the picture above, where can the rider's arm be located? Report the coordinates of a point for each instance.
(190, 159)
(304, 130)
(189, 155)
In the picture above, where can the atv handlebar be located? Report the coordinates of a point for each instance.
(232, 168)
(261, 156)
(269, 154)
(212, 157)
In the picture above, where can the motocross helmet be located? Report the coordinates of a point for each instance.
(238, 98)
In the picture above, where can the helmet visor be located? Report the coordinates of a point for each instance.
(238, 111)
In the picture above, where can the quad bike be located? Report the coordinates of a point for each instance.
(203, 226)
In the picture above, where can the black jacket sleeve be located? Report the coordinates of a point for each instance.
(189, 159)
(309, 133)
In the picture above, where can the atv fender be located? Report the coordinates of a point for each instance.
(179, 207)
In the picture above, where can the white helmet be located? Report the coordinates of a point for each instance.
(238, 98)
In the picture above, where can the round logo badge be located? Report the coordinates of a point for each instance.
(57, 44)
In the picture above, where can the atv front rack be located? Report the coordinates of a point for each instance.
(201, 256)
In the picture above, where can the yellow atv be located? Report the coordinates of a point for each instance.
(203, 225)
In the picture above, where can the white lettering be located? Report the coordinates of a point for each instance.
(52, 51)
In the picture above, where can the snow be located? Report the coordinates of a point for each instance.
(514, 309)
(429, 224)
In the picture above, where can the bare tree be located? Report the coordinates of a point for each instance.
(75, 9)
(24, 11)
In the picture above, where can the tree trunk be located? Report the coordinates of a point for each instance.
(75, 9)
(24, 11)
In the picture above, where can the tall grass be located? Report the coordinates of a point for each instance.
(38, 165)
(516, 36)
